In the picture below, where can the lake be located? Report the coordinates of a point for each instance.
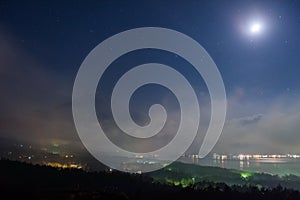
(279, 166)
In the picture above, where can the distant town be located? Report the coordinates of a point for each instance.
(217, 156)
(56, 155)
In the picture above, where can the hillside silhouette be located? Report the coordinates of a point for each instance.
(23, 180)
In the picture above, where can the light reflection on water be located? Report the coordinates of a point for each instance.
(279, 166)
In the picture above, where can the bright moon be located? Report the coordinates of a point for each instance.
(255, 28)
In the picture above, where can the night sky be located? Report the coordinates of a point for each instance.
(255, 44)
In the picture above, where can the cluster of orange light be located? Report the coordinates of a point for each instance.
(63, 166)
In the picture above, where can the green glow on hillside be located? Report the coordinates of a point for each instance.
(169, 169)
(184, 182)
(246, 175)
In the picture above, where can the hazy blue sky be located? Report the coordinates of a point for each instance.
(42, 46)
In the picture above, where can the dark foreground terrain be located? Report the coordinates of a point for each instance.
(26, 181)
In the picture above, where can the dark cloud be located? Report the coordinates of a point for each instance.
(30, 97)
(250, 119)
(274, 131)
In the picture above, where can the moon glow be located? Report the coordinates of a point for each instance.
(255, 28)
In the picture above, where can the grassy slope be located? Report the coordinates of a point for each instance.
(179, 173)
